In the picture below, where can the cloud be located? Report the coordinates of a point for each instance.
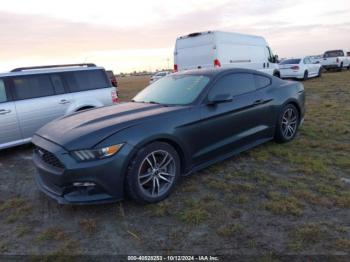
(290, 26)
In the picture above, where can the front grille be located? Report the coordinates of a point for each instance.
(48, 157)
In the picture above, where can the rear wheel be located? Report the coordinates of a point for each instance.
(340, 67)
(287, 124)
(153, 173)
(306, 75)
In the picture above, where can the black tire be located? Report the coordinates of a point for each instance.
(280, 136)
(277, 74)
(319, 72)
(340, 67)
(85, 108)
(133, 185)
(306, 75)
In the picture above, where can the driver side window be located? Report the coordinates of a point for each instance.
(271, 57)
(234, 84)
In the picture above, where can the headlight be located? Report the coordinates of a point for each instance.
(94, 154)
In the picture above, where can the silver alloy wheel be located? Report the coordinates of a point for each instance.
(289, 123)
(156, 173)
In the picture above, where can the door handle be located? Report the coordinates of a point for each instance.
(64, 101)
(4, 111)
(258, 102)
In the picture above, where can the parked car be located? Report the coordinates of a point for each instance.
(30, 97)
(215, 49)
(300, 68)
(316, 59)
(335, 59)
(112, 78)
(158, 76)
(179, 124)
(114, 82)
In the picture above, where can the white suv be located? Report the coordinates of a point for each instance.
(30, 97)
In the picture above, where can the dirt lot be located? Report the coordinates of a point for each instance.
(273, 200)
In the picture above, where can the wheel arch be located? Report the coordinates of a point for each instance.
(296, 104)
(84, 108)
(277, 73)
(172, 142)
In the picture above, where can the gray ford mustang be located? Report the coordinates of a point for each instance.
(177, 125)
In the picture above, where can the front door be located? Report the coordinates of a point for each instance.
(229, 125)
(9, 128)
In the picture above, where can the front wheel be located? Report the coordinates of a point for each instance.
(287, 124)
(277, 74)
(153, 173)
(319, 72)
(340, 67)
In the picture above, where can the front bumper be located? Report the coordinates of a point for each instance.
(105, 177)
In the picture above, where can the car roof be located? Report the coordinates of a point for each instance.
(49, 70)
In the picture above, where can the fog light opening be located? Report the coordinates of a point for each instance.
(84, 184)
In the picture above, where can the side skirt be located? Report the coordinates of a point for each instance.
(228, 155)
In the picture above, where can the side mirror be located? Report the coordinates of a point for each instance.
(275, 58)
(317, 62)
(221, 98)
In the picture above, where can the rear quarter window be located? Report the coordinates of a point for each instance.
(26, 87)
(87, 80)
(3, 96)
(262, 81)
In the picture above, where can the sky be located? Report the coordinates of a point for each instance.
(140, 34)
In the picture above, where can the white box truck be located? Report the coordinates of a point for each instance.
(215, 49)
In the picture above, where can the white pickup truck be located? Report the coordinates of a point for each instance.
(335, 59)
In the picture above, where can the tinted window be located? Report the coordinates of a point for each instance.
(87, 80)
(57, 84)
(173, 89)
(235, 84)
(3, 97)
(334, 53)
(26, 87)
(290, 62)
(261, 81)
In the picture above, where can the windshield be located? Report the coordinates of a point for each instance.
(173, 90)
(290, 62)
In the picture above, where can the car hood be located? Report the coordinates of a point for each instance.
(87, 128)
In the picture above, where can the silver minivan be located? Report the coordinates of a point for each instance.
(33, 96)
